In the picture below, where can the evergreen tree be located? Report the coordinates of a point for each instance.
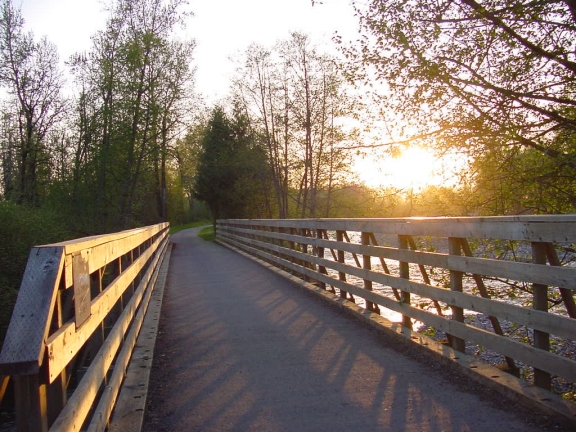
(232, 173)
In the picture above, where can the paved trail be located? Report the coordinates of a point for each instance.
(242, 349)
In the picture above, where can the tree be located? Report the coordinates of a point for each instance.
(299, 98)
(186, 155)
(477, 75)
(232, 172)
(261, 87)
(135, 93)
(29, 72)
(171, 99)
(214, 181)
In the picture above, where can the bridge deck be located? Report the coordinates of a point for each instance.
(242, 349)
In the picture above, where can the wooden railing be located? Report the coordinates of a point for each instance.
(74, 326)
(439, 274)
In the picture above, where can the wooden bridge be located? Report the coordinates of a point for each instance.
(242, 348)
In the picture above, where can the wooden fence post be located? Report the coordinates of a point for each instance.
(31, 403)
(540, 292)
(367, 265)
(320, 254)
(455, 248)
(292, 245)
(404, 274)
(340, 259)
(304, 250)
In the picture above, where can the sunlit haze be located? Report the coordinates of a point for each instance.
(412, 169)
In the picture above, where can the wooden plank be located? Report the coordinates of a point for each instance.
(81, 277)
(367, 265)
(64, 344)
(542, 379)
(75, 245)
(128, 415)
(555, 364)
(456, 285)
(56, 396)
(564, 277)
(340, 259)
(107, 400)
(541, 273)
(23, 348)
(484, 293)
(80, 403)
(405, 275)
(31, 403)
(547, 228)
(320, 253)
(555, 324)
(106, 252)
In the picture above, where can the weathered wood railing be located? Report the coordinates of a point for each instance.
(440, 272)
(74, 326)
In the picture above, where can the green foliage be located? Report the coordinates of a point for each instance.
(135, 93)
(182, 207)
(20, 229)
(480, 78)
(232, 170)
(516, 180)
(215, 177)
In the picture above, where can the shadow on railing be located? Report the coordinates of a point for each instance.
(74, 326)
(445, 275)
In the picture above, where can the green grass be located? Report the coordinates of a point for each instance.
(208, 233)
(175, 229)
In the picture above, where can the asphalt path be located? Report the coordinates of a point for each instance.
(242, 349)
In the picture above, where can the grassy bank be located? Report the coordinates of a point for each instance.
(208, 233)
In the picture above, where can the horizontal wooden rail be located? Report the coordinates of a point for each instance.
(449, 265)
(74, 326)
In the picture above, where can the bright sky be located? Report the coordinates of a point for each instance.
(221, 28)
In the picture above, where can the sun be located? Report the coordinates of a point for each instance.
(414, 168)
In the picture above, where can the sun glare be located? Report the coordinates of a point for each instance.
(413, 169)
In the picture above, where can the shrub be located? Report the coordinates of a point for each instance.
(20, 229)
